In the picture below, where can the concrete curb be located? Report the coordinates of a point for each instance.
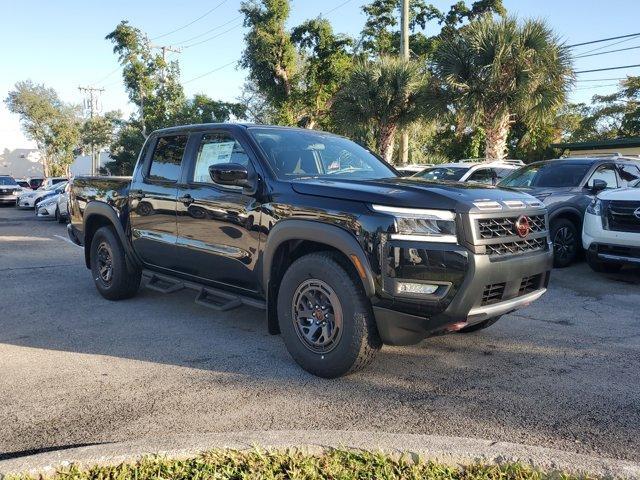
(449, 450)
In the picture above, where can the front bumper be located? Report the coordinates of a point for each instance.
(6, 199)
(521, 279)
(25, 202)
(46, 211)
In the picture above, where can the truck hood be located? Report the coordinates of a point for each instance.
(543, 192)
(409, 192)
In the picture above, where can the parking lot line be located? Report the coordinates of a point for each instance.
(67, 240)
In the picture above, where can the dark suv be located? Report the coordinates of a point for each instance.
(567, 186)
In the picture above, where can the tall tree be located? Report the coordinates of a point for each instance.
(51, 123)
(500, 71)
(297, 72)
(381, 32)
(153, 85)
(380, 97)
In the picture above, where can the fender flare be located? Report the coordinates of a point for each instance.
(318, 232)
(570, 210)
(101, 209)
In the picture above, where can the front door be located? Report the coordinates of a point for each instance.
(218, 226)
(152, 200)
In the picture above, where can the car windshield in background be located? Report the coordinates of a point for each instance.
(452, 174)
(7, 181)
(297, 154)
(550, 175)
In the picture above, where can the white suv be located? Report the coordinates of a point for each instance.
(611, 229)
(472, 170)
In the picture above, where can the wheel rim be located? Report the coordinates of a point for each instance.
(105, 263)
(564, 243)
(317, 316)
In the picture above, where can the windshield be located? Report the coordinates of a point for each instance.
(7, 181)
(297, 154)
(552, 174)
(452, 174)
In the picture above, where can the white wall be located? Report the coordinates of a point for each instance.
(25, 162)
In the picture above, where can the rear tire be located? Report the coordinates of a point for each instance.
(480, 326)
(564, 236)
(325, 317)
(600, 266)
(111, 276)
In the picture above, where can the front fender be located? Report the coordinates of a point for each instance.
(325, 233)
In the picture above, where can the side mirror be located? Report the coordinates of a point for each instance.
(232, 174)
(598, 185)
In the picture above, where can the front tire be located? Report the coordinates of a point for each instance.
(564, 236)
(111, 276)
(325, 318)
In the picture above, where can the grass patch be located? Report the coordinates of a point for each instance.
(284, 465)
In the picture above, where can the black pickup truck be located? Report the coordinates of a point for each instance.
(342, 253)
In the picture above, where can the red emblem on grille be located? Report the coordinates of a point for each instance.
(522, 226)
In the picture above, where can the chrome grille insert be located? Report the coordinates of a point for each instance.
(521, 246)
(505, 226)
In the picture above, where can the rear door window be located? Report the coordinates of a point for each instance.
(166, 160)
(629, 174)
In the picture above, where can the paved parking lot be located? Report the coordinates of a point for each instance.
(77, 369)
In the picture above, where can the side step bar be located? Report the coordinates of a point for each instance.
(211, 297)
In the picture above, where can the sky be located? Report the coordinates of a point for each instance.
(61, 43)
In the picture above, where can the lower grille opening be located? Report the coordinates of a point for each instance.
(529, 284)
(512, 248)
(493, 293)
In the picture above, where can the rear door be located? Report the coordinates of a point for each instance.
(152, 200)
(218, 226)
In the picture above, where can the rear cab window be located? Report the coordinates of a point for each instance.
(166, 160)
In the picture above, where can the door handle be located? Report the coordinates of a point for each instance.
(137, 195)
(186, 199)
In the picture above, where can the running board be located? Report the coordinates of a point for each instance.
(211, 297)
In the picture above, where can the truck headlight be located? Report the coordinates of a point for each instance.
(595, 207)
(422, 224)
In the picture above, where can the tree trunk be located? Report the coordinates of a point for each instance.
(385, 141)
(497, 130)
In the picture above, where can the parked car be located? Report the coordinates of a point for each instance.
(48, 207)
(341, 253)
(32, 199)
(567, 187)
(472, 171)
(24, 185)
(62, 212)
(411, 169)
(9, 190)
(35, 182)
(611, 229)
(49, 181)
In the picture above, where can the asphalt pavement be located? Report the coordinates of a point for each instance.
(76, 369)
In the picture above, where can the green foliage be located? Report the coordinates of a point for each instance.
(496, 72)
(294, 465)
(297, 72)
(381, 32)
(380, 97)
(98, 132)
(153, 85)
(52, 124)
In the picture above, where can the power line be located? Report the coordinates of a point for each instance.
(608, 68)
(106, 76)
(210, 72)
(591, 87)
(608, 51)
(209, 31)
(212, 37)
(609, 45)
(336, 8)
(192, 22)
(602, 40)
(600, 79)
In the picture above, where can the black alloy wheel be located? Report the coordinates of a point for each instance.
(105, 263)
(317, 316)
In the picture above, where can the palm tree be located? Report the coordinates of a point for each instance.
(497, 71)
(378, 98)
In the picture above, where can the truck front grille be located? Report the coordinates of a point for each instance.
(506, 226)
(621, 216)
(493, 293)
(512, 248)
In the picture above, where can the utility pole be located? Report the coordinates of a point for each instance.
(164, 49)
(91, 104)
(404, 53)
